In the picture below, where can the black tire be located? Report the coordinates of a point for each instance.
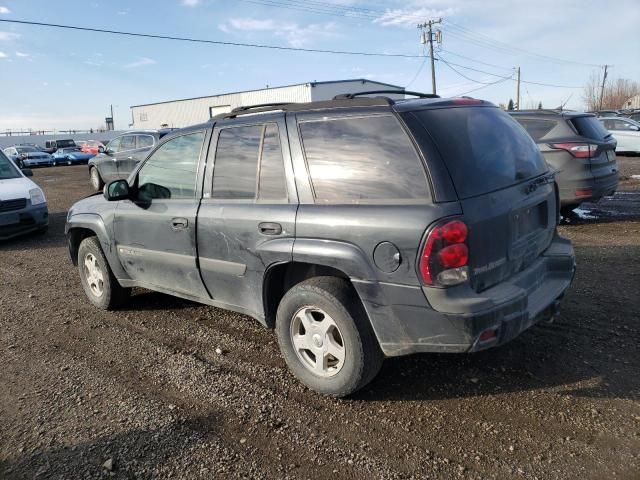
(20, 164)
(96, 179)
(363, 357)
(113, 295)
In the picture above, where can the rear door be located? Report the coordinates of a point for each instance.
(503, 184)
(247, 217)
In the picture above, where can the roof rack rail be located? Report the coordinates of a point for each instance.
(542, 110)
(349, 96)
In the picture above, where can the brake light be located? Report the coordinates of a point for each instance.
(466, 101)
(585, 192)
(578, 150)
(445, 254)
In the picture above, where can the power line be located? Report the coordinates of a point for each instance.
(213, 42)
(485, 86)
(449, 52)
(468, 78)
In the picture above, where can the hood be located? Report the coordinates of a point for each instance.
(16, 188)
(94, 204)
(35, 155)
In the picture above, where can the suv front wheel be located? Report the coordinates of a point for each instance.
(325, 337)
(100, 286)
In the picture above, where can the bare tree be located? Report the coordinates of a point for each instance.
(616, 92)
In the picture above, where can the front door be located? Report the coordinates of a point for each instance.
(155, 234)
(107, 163)
(141, 146)
(247, 216)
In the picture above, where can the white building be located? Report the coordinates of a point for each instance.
(190, 111)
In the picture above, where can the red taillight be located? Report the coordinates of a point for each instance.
(585, 192)
(466, 101)
(578, 150)
(445, 255)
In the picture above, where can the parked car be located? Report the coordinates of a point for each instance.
(90, 146)
(71, 156)
(50, 146)
(23, 206)
(26, 156)
(358, 228)
(120, 156)
(606, 113)
(626, 131)
(579, 149)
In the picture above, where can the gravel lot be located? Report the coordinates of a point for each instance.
(144, 393)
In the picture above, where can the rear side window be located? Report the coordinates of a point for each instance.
(535, 127)
(128, 143)
(145, 141)
(483, 148)
(249, 164)
(589, 127)
(362, 159)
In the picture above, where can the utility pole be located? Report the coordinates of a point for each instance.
(604, 79)
(113, 125)
(518, 91)
(428, 37)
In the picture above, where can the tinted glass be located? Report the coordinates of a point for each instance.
(171, 171)
(536, 128)
(7, 169)
(26, 150)
(590, 127)
(272, 179)
(362, 159)
(114, 145)
(145, 141)
(128, 143)
(483, 148)
(236, 163)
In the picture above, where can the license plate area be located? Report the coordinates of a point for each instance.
(9, 219)
(528, 220)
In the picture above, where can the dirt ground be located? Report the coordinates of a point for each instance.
(142, 393)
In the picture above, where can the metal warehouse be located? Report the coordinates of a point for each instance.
(190, 111)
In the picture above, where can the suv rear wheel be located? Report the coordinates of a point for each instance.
(325, 337)
(101, 287)
(96, 179)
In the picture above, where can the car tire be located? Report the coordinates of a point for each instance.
(96, 179)
(100, 286)
(20, 164)
(336, 323)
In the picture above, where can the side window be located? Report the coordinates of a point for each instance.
(171, 171)
(128, 143)
(114, 145)
(271, 184)
(145, 141)
(356, 159)
(536, 128)
(249, 164)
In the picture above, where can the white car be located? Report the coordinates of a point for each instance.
(625, 131)
(23, 206)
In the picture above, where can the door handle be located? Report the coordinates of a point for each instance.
(179, 223)
(270, 228)
(129, 158)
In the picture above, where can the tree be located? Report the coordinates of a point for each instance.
(616, 92)
(539, 105)
(510, 105)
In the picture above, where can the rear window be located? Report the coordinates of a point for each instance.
(362, 159)
(589, 127)
(535, 127)
(65, 143)
(484, 148)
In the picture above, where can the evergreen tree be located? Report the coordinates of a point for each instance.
(510, 106)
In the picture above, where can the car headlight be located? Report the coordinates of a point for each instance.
(37, 196)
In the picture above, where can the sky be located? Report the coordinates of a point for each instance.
(63, 79)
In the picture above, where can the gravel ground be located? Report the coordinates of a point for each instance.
(166, 388)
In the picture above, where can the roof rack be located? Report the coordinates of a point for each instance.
(541, 110)
(349, 96)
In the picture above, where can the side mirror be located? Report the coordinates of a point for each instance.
(117, 190)
(101, 149)
(27, 172)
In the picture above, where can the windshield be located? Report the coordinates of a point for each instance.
(26, 149)
(483, 148)
(69, 150)
(7, 168)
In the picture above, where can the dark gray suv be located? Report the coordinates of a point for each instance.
(579, 149)
(121, 155)
(357, 228)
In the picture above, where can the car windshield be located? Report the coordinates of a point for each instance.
(69, 150)
(26, 149)
(7, 169)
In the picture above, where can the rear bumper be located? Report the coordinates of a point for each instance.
(20, 222)
(599, 188)
(415, 320)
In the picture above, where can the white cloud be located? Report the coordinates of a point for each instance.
(296, 35)
(7, 36)
(22, 55)
(412, 15)
(4, 11)
(3, 55)
(190, 3)
(142, 62)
